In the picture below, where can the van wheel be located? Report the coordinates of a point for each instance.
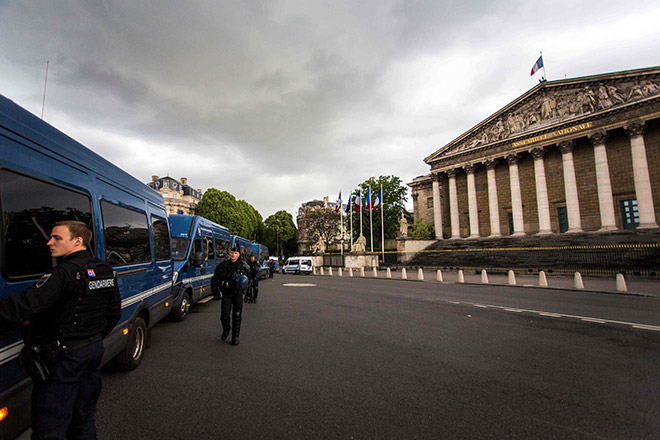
(180, 313)
(131, 356)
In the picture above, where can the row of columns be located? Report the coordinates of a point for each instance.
(643, 190)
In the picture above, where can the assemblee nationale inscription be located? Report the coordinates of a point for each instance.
(553, 134)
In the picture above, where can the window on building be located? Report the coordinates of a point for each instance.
(30, 208)
(429, 202)
(174, 196)
(161, 238)
(630, 214)
(510, 217)
(126, 234)
(562, 215)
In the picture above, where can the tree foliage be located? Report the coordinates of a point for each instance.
(280, 234)
(395, 194)
(236, 215)
(422, 231)
(322, 223)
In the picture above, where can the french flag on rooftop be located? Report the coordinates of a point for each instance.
(537, 65)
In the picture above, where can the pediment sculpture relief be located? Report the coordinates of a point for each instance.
(557, 104)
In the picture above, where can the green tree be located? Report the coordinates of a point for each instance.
(236, 215)
(322, 223)
(280, 234)
(395, 194)
(422, 231)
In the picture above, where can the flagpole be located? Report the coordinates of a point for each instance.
(382, 222)
(341, 226)
(371, 220)
(361, 204)
(350, 210)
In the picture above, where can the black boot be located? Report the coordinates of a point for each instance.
(225, 333)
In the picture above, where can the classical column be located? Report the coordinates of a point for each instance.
(453, 205)
(516, 197)
(604, 186)
(570, 187)
(643, 190)
(542, 203)
(493, 206)
(437, 208)
(473, 210)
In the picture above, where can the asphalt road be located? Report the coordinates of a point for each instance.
(357, 358)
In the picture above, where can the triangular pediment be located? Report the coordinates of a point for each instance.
(553, 103)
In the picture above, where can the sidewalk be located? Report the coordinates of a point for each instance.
(636, 286)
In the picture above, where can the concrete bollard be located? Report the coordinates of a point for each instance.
(461, 277)
(543, 281)
(362, 272)
(577, 281)
(330, 271)
(322, 271)
(389, 273)
(438, 276)
(511, 278)
(339, 272)
(350, 272)
(484, 277)
(420, 274)
(621, 283)
(404, 275)
(375, 272)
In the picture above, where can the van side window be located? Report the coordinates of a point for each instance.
(197, 247)
(30, 208)
(126, 235)
(220, 248)
(161, 238)
(209, 249)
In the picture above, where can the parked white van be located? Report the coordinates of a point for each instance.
(298, 265)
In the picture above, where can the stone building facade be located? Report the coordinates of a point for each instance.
(180, 198)
(569, 156)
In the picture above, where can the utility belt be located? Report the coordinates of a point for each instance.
(37, 359)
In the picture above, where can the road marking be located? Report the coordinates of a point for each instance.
(205, 300)
(562, 315)
(299, 285)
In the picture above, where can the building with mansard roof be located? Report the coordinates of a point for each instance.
(180, 198)
(569, 156)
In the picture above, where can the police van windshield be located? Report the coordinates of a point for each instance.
(180, 248)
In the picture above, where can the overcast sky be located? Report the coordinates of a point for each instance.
(285, 101)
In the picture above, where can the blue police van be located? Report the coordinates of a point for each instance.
(198, 245)
(46, 177)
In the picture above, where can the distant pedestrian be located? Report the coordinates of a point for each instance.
(231, 278)
(254, 279)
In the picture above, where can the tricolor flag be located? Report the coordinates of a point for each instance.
(348, 205)
(537, 65)
(379, 199)
(338, 207)
(368, 204)
(357, 203)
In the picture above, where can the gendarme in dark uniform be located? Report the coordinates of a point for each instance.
(225, 278)
(63, 319)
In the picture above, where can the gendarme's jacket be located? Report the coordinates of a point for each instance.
(225, 275)
(60, 305)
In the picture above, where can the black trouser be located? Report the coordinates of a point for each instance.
(232, 304)
(63, 406)
(255, 287)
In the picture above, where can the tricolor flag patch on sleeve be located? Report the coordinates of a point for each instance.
(90, 273)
